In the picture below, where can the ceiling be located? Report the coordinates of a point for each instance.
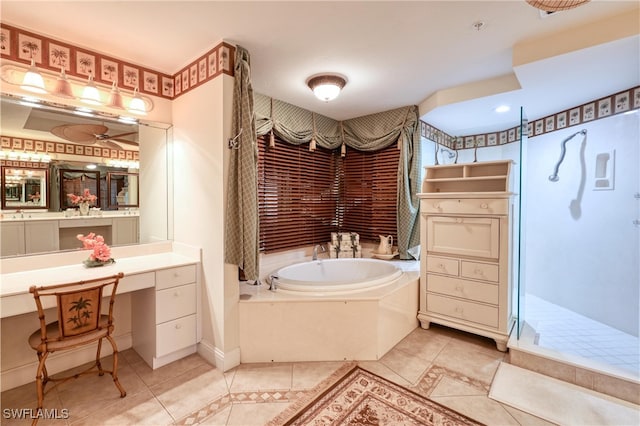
(393, 53)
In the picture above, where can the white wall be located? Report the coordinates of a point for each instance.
(584, 255)
(202, 124)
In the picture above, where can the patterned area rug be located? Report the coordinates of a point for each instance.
(363, 398)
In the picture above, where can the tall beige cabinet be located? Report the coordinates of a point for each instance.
(466, 218)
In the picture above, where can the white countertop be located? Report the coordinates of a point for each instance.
(19, 282)
(37, 216)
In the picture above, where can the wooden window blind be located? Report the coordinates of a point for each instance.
(304, 196)
(369, 193)
(297, 195)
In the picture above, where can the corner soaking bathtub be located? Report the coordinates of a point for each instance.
(335, 276)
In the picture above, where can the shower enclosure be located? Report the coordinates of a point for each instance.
(581, 273)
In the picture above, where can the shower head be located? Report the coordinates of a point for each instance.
(554, 178)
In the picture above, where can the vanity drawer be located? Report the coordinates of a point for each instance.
(442, 265)
(175, 302)
(468, 311)
(463, 236)
(479, 271)
(471, 290)
(174, 335)
(484, 206)
(173, 277)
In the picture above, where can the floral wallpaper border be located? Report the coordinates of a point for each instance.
(18, 45)
(617, 103)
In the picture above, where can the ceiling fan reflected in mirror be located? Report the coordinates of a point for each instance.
(91, 134)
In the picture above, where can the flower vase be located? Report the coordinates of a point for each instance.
(95, 263)
(84, 208)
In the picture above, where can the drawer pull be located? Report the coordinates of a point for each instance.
(484, 206)
(178, 326)
(436, 205)
(459, 220)
(478, 271)
(441, 266)
(176, 274)
(176, 294)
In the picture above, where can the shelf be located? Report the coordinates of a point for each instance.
(490, 176)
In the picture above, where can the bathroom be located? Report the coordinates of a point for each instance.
(200, 163)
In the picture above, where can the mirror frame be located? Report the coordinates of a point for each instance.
(109, 194)
(47, 183)
(64, 204)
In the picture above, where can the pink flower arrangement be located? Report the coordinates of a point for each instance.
(86, 197)
(101, 252)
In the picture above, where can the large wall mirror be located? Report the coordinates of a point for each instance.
(125, 166)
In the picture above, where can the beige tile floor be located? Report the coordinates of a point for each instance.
(453, 368)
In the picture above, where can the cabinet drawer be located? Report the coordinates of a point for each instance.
(475, 291)
(173, 277)
(174, 335)
(479, 271)
(175, 302)
(442, 265)
(464, 236)
(468, 311)
(499, 206)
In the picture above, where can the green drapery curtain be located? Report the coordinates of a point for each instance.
(242, 232)
(373, 132)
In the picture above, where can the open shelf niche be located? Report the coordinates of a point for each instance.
(490, 176)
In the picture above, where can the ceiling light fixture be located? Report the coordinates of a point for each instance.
(503, 108)
(63, 87)
(90, 93)
(115, 98)
(137, 105)
(326, 87)
(32, 80)
(556, 5)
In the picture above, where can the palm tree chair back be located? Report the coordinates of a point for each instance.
(80, 322)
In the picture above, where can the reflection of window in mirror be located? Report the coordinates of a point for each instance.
(25, 188)
(122, 190)
(75, 182)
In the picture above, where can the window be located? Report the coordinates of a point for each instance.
(304, 196)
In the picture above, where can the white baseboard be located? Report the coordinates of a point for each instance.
(223, 361)
(59, 361)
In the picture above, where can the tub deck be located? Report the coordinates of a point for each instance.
(277, 326)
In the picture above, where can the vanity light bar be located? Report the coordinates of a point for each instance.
(129, 164)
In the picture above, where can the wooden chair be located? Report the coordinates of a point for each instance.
(79, 323)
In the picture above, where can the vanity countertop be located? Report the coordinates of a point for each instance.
(37, 216)
(19, 282)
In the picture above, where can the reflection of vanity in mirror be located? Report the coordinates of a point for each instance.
(51, 156)
(25, 188)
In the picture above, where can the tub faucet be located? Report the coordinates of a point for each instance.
(273, 285)
(315, 251)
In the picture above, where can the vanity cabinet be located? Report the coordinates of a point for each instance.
(466, 216)
(12, 239)
(125, 230)
(171, 310)
(41, 236)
